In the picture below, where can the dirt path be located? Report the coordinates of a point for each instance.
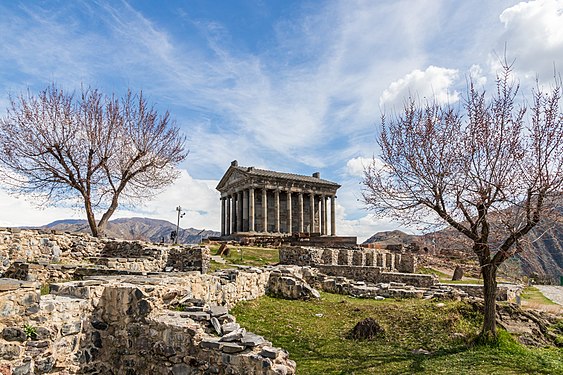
(554, 293)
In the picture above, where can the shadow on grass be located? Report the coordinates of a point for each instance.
(349, 363)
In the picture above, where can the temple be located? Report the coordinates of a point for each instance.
(266, 202)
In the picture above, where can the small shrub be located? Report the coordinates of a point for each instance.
(366, 329)
(45, 288)
(30, 331)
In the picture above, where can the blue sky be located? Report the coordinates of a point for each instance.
(296, 86)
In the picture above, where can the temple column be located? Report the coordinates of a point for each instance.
(228, 217)
(233, 213)
(332, 216)
(239, 211)
(323, 214)
(251, 227)
(312, 212)
(300, 217)
(264, 210)
(289, 221)
(277, 211)
(244, 211)
(222, 216)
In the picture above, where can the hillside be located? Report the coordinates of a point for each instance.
(136, 228)
(542, 255)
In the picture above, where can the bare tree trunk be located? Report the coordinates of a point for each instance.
(489, 331)
(105, 217)
(90, 217)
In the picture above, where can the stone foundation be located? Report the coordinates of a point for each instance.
(505, 292)
(357, 257)
(124, 325)
(43, 256)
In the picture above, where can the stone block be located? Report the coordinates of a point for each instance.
(229, 327)
(211, 343)
(216, 325)
(217, 311)
(71, 328)
(230, 347)
(269, 352)
(9, 351)
(197, 315)
(251, 340)
(233, 336)
(13, 334)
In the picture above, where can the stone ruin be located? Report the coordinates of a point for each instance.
(129, 307)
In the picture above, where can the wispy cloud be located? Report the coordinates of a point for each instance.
(534, 37)
(309, 98)
(433, 84)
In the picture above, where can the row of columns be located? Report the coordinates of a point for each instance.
(239, 207)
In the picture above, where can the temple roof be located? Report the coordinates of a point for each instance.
(257, 172)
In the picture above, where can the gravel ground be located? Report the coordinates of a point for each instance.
(554, 293)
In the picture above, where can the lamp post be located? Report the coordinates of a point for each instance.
(200, 236)
(180, 215)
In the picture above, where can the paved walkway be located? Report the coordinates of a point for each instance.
(218, 259)
(553, 292)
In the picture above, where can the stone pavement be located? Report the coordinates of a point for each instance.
(553, 292)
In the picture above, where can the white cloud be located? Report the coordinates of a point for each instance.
(476, 74)
(198, 198)
(355, 167)
(534, 36)
(433, 83)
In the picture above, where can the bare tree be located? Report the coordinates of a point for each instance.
(90, 148)
(490, 169)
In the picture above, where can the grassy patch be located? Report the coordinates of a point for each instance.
(246, 255)
(445, 278)
(45, 289)
(533, 295)
(315, 333)
(432, 271)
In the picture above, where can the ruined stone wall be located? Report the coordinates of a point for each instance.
(358, 257)
(377, 275)
(124, 325)
(45, 246)
(505, 292)
(50, 248)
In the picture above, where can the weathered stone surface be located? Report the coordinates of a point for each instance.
(458, 273)
(211, 343)
(269, 352)
(217, 311)
(290, 287)
(216, 325)
(251, 340)
(197, 315)
(13, 334)
(230, 327)
(230, 347)
(233, 336)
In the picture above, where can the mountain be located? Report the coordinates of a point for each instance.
(136, 228)
(394, 237)
(541, 255)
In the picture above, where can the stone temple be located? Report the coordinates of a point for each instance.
(267, 202)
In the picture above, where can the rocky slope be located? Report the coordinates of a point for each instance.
(541, 255)
(136, 228)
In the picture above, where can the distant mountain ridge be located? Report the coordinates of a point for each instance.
(542, 256)
(136, 228)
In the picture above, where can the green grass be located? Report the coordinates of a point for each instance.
(432, 271)
(319, 346)
(447, 279)
(533, 295)
(246, 255)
